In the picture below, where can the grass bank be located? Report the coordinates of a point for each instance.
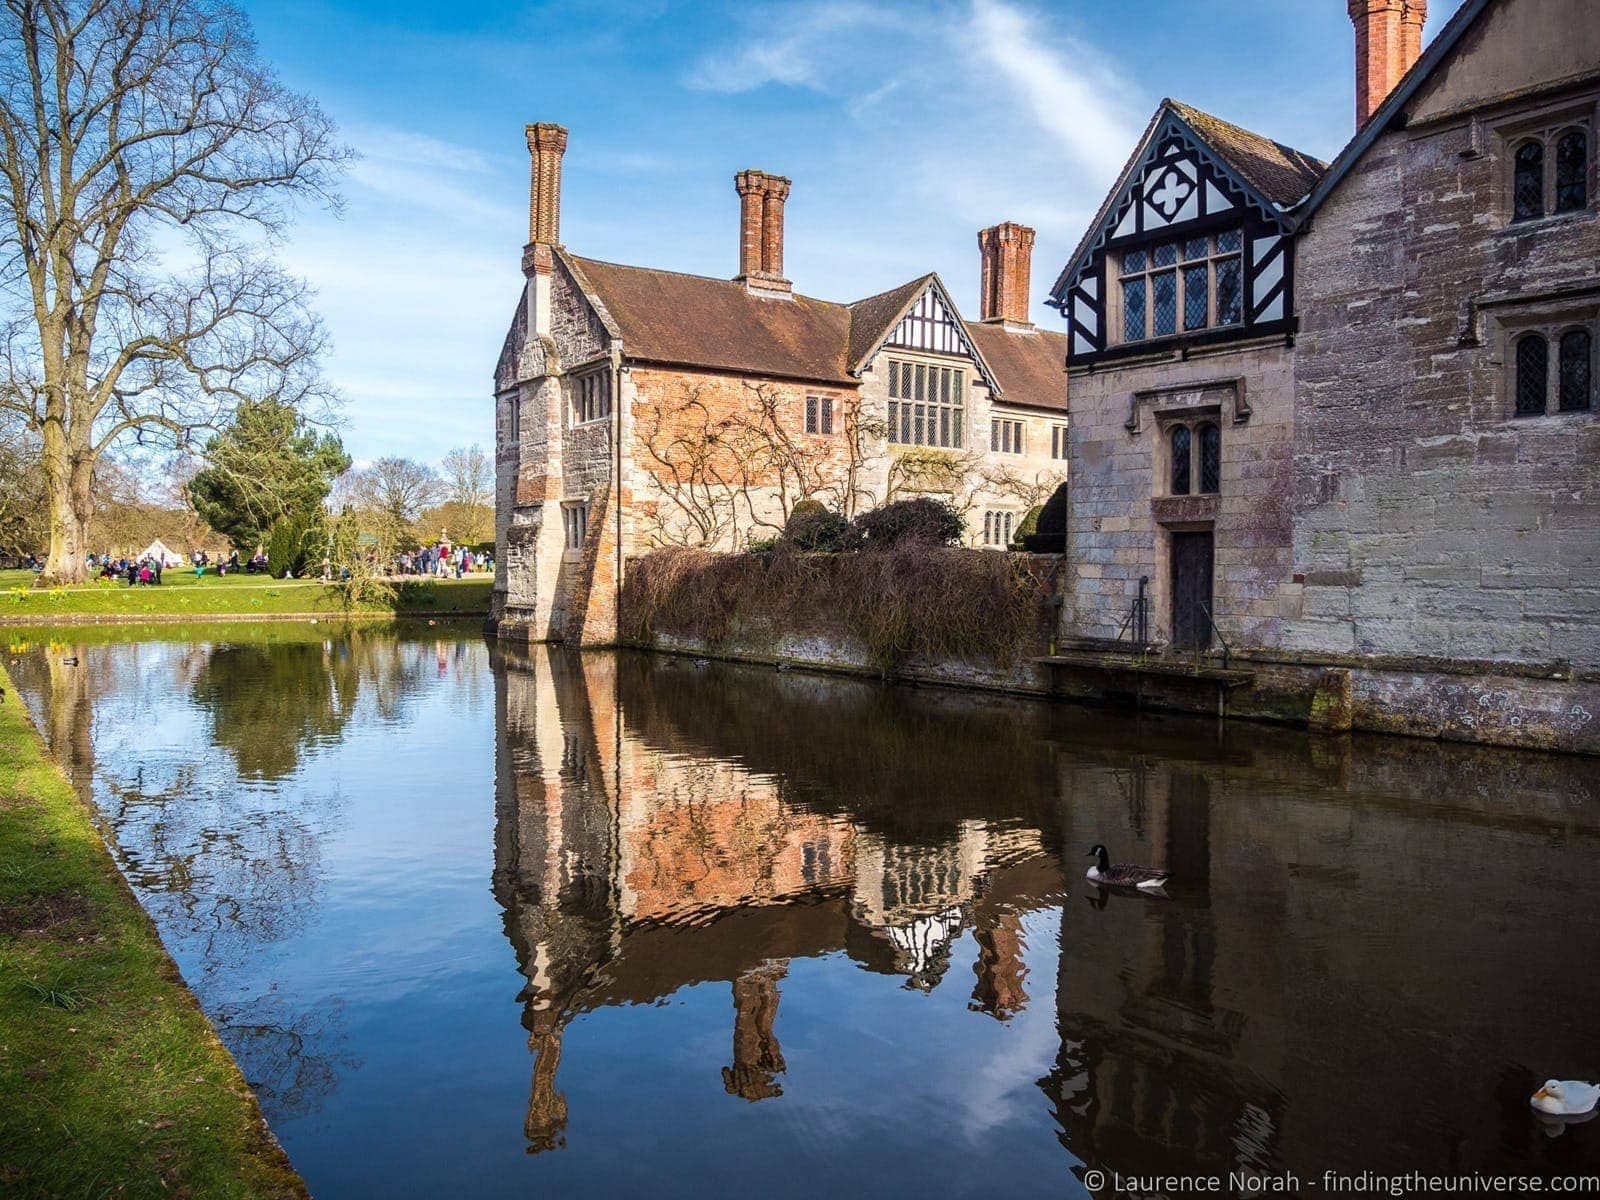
(182, 596)
(112, 1082)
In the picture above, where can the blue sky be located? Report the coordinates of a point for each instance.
(905, 127)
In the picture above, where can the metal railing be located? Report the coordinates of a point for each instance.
(1138, 618)
(1227, 650)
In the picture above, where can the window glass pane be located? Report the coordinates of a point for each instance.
(1163, 303)
(1229, 239)
(922, 374)
(994, 435)
(918, 432)
(1195, 248)
(1576, 367)
(955, 392)
(811, 414)
(1180, 461)
(1133, 310)
(894, 380)
(905, 422)
(1228, 293)
(944, 427)
(827, 414)
(1527, 186)
(1572, 169)
(1210, 458)
(1165, 255)
(894, 421)
(1533, 358)
(956, 439)
(1195, 303)
(1132, 262)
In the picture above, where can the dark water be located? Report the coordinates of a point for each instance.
(612, 926)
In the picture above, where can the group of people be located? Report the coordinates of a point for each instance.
(145, 571)
(442, 560)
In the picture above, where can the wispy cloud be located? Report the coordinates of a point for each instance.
(799, 49)
(1073, 96)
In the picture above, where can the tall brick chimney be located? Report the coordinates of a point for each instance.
(1007, 253)
(761, 198)
(1388, 42)
(546, 144)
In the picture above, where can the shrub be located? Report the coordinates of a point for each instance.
(908, 601)
(1050, 536)
(1028, 527)
(812, 526)
(923, 520)
(295, 539)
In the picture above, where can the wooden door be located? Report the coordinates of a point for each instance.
(1191, 590)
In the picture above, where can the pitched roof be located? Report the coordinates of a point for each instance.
(1029, 365)
(1280, 173)
(694, 320)
(872, 318)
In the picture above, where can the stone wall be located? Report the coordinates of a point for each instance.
(1122, 514)
(1428, 520)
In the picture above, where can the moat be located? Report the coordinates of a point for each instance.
(496, 923)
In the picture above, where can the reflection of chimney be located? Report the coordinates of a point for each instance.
(761, 199)
(546, 144)
(546, 1124)
(1000, 969)
(1007, 252)
(1388, 42)
(757, 1057)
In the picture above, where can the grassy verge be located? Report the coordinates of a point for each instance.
(112, 1082)
(234, 595)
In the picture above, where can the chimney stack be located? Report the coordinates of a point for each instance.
(1007, 255)
(546, 144)
(1388, 42)
(761, 198)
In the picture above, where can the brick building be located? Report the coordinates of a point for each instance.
(1341, 417)
(638, 408)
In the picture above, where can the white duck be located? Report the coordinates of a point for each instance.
(1566, 1097)
(1123, 874)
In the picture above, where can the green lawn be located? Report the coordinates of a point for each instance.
(211, 595)
(112, 1082)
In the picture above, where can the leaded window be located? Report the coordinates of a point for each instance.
(1210, 438)
(1191, 284)
(925, 405)
(1133, 308)
(575, 525)
(1005, 436)
(1572, 171)
(819, 414)
(1180, 460)
(1163, 303)
(1576, 379)
(1533, 354)
(1058, 441)
(1527, 184)
(591, 400)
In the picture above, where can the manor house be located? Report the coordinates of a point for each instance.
(639, 408)
(1338, 419)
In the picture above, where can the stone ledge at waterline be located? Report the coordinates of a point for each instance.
(112, 1082)
(817, 612)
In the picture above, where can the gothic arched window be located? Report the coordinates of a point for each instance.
(1533, 364)
(1180, 460)
(1210, 458)
(1575, 371)
(1527, 186)
(1572, 171)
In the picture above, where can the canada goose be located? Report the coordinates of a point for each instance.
(1565, 1097)
(1123, 874)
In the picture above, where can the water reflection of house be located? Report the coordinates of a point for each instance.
(629, 869)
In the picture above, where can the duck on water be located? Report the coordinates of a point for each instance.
(1107, 874)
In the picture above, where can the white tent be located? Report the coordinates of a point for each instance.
(157, 551)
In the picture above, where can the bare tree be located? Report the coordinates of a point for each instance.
(128, 127)
(395, 491)
(469, 489)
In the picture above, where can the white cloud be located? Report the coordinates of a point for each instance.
(1072, 96)
(800, 52)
